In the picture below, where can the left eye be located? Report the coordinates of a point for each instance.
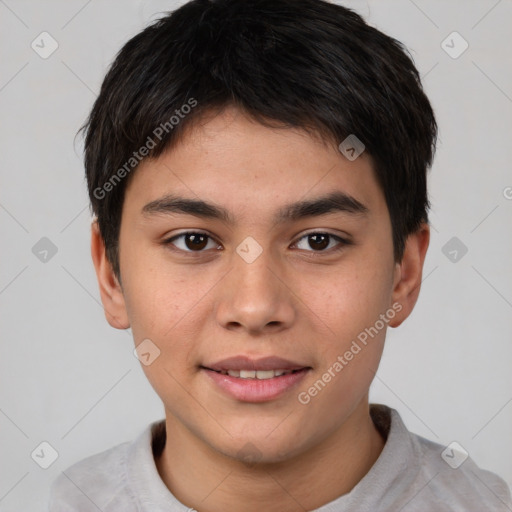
(320, 242)
(192, 242)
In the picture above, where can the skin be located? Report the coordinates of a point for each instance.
(294, 301)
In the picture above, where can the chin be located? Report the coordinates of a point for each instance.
(260, 449)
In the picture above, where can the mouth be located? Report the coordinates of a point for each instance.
(249, 380)
(255, 374)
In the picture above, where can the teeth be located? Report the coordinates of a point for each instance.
(256, 374)
(265, 374)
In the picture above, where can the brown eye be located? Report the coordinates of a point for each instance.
(192, 242)
(319, 242)
(196, 241)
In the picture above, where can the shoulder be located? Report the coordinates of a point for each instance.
(421, 475)
(456, 479)
(96, 482)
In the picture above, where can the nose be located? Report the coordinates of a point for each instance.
(256, 297)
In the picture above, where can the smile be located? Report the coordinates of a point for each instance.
(256, 374)
(255, 381)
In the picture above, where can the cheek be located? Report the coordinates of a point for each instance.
(350, 308)
(157, 296)
(164, 308)
(168, 305)
(348, 300)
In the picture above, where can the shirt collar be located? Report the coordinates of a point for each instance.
(396, 467)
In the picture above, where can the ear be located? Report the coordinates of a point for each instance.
(408, 273)
(110, 289)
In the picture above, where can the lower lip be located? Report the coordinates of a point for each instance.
(256, 390)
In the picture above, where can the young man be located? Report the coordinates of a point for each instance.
(258, 174)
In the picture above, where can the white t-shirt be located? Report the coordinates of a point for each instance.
(411, 475)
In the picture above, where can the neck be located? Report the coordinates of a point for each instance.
(207, 480)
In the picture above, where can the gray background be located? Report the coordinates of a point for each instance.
(69, 379)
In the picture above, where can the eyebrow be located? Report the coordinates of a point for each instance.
(334, 202)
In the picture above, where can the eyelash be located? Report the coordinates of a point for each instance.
(342, 242)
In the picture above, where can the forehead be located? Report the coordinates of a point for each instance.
(252, 170)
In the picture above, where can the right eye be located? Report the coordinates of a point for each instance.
(192, 241)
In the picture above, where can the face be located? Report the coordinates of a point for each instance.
(232, 259)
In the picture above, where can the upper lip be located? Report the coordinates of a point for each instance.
(247, 363)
